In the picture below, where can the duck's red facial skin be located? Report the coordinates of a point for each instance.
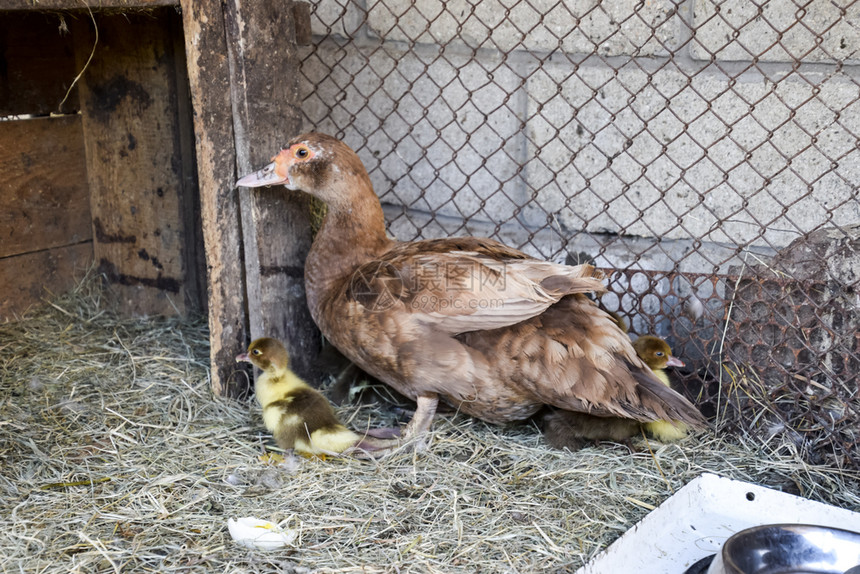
(286, 158)
(278, 172)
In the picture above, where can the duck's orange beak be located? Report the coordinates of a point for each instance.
(275, 173)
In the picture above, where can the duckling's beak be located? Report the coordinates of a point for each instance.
(243, 358)
(674, 362)
(267, 176)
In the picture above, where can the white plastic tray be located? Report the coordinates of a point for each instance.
(696, 521)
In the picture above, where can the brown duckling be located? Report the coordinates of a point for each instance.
(571, 430)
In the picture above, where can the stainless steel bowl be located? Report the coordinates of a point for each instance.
(789, 549)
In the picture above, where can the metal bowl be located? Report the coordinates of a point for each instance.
(789, 549)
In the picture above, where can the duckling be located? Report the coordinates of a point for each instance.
(574, 430)
(657, 354)
(298, 415)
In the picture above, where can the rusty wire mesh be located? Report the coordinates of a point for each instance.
(692, 148)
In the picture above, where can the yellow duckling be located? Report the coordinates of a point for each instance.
(657, 354)
(298, 415)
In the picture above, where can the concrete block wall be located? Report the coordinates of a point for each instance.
(669, 135)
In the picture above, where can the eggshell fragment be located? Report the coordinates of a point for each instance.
(259, 534)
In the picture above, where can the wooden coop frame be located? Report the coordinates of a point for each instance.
(148, 168)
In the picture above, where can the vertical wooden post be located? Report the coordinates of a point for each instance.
(265, 70)
(243, 73)
(209, 79)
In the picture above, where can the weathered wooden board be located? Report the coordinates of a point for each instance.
(209, 77)
(244, 111)
(275, 223)
(44, 195)
(30, 278)
(37, 64)
(77, 4)
(138, 187)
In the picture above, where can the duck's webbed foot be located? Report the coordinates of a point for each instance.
(370, 445)
(385, 440)
(384, 432)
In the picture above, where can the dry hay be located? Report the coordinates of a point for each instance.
(821, 423)
(791, 352)
(118, 458)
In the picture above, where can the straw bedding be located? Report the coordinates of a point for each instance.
(117, 458)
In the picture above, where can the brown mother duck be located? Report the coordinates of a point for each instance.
(486, 328)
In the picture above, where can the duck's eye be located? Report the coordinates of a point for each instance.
(302, 152)
(659, 353)
(256, 352)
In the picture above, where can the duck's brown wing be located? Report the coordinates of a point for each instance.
(466, 284)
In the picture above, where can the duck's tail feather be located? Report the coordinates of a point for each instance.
(661, 403)
(580, 279)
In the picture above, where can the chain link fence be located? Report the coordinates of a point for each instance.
(704, 153)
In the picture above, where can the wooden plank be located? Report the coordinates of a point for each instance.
(193, 255)
(134, 160)
(37, 65)
(209, 78)
(28, 279)
(44, 196)
(264, 67)
(76, 4)
(302, 18)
